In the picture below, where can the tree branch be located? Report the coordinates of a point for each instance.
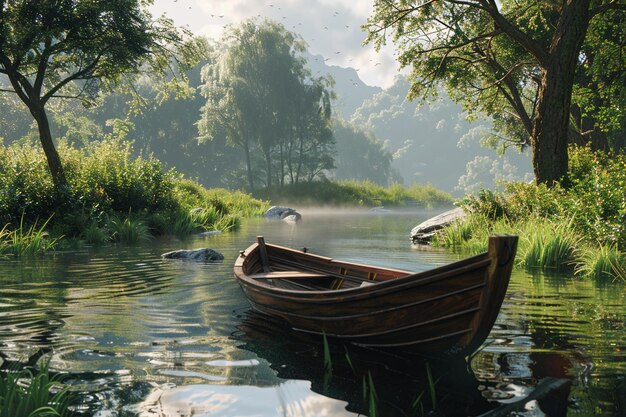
(612, 5)
(529, 44)
(76, 76)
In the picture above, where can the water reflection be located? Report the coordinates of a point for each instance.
(128, 325)
(289, 399)
(372, 381)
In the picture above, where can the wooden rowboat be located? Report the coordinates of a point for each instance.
(448, 310)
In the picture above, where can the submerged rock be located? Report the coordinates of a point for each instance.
(424, 232)
(204, 254)
(282, 213)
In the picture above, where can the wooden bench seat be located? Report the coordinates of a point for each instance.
(288, 275)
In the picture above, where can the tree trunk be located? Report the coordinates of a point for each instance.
(45, 137)
(268, 164)
(246, 149)
(549, 139)
(282, 166)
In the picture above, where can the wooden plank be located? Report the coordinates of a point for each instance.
(288, 275)
(319, 270)
(263, 252)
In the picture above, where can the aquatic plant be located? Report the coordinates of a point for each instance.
(24, 240)
(95, 234)
(328, 362)
(26, 393)
(228, 222)
(548, 246)
(182, 224)
(372, 402)
(129, 229)
(604, 261)
(431, 386)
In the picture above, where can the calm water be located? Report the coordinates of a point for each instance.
(145, 336)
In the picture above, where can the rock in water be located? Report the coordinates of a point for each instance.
(204, 254)
(282, 213)
(423, 232)
(291, 216)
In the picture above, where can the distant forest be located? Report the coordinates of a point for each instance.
(307, 128)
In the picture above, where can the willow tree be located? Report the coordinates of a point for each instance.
(260, 92)
(72, 49)
(516, 60)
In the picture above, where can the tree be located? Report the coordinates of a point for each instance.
(518, 57)
(360, 155)
(260, 92)
(74, 48)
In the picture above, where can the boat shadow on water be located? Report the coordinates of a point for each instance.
(377, 383)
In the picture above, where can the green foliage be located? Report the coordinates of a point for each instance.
(129, 229)
(598, 196)
(548, 246)
(95, 234)
(260, 94)
(357, 193)
(603, 262)
(581, 226)
(496, 72)
(106, 184)
(594, 201)
(24, 393)
(360, 156)
(26, 240)
(66, 50)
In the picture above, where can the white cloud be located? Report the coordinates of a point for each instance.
(332, 28)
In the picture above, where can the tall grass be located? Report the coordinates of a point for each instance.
(603, 262)
(95, 234)
(129, 229)
(548, 246)
(470, 235)
(25, 240)
(24, 393)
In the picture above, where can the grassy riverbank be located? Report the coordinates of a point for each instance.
(111, 196)
(580, 227)
(356, 193)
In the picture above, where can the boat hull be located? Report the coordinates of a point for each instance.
(447, 310)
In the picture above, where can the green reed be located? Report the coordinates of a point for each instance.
(26, 240)
(548, 246)
(24, 393)
(129, 229)
(602, 262)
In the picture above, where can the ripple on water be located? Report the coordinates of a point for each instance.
(136, 329)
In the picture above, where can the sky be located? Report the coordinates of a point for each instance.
(331, 28)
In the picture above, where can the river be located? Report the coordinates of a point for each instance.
(140, 335)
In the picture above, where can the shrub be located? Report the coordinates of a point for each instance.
(106, 183)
